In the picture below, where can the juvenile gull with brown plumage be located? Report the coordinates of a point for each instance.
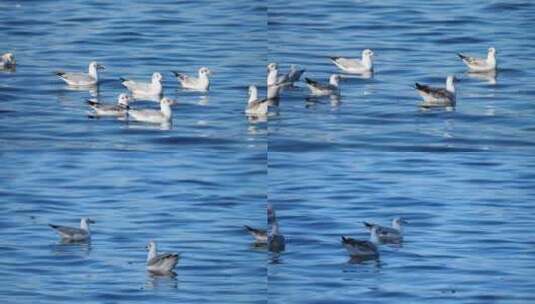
(321, 89)
(384, 234)
(438, 97)
(160, 263)
(117, 110)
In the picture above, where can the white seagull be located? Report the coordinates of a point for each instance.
(355, 66)
(75, 234)
(7, 61)
(438, 97)
(276, 241)
(82, 79)
(153, 88)
(481, 64)
(274, 87)
(384, 234)
(160, 264)
(320, 89)
(256, 106)
(118, 110)
(164, 115)
(202, 83)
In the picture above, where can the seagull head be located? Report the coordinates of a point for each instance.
(8, 58)
(97, 66)
(398, 221)
(87, 220)
(252, 89)
(367, 53)
(151, 245)
(272, 66)
(492, 51)
(167, 101)
(205, 71)
(156, 77)
(335, 79)
(123, 100)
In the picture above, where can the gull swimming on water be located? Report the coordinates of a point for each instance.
(481, 64)
(438, 97)
(320, 89)
(160, 264)
(355, 66)
(153, 88)
(256, 106)
(75, 234)
(164, 115)
(361, 248)
(202, 83)
(260, 235)
(7, 61)
(82, 79)
(111, 110)
(384, 234)
(276, 241)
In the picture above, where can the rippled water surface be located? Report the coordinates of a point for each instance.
(326, 164)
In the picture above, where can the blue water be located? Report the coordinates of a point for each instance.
(326, 165)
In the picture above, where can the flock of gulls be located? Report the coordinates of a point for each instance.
(273, 239)
(256, 106)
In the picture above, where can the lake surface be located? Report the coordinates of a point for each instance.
(326, 164)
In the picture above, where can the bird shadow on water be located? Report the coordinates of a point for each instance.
(157, 281)
(66, 247)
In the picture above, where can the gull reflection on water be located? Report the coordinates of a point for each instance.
(157, 281)
(489, 77)
(66, 247)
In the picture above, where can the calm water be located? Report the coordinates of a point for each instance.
(325, 164)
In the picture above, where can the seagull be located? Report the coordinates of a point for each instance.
(160, 264)
(276, 241)
(363, 248)
(480, 64)
(355, 66)
(7, 61)
(75, 234)
(438, 97)
(260, 235)
(274, 87)
(360, 248)
(320, 89)
(153, 88)
(386, 234)
(292, 76)
(202, 83)
(164, 115)
(110, 110)
(82, 79)
(256, 106)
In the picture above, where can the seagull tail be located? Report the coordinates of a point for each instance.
(53, 226)
(367, 225)
(60, 74)
(463, 57)
(334, 58)
(123, 79)
(91, 102)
